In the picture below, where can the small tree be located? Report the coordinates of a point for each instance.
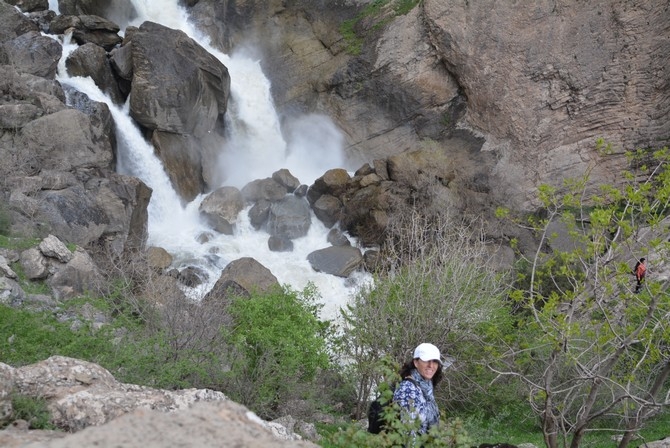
(592, 352)
(439, 286)
(279, 347)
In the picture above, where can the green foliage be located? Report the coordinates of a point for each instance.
(33, 410)
(7, 242)
(27, 337)
(378, 13)
(582, 319)
(280, 343)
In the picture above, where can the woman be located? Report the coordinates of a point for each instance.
(415, 396)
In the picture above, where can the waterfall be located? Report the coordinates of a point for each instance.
(255, 142)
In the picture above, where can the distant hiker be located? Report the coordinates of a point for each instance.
(416, 397)
(640, 271)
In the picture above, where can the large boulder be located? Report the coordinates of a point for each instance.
(268, 189)
(177, 85)
(118, 11)
(221, 207)
(289, 218)
(244, 275)
(32, 53)
(69, 385)
(68, 274)
(340, 261)
(77, 277)
(64, 140)
(88, 29)
(13, 23)
(183, 112)
(91, 60)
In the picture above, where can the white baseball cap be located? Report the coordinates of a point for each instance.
(428, 352)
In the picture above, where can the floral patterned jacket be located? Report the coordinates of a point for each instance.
(418, 400)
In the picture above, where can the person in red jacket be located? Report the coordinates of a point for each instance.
(640, 272)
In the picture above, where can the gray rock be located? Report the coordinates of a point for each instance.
(280, 244)
(192, 276)
(91, 60)
(221, 207)
(13, 23)
(259, 212)
(337, 238)
(5, 269)
(209, 424)
(268, 189)
(284, 178)
(194, 85)
(289, 218)
(69, 385)
(54, 248)
(32, 53)
(79, 276)
(334, 182)
(121, 59)
(67, 139)
(88, 29)
(248, 274)
(34, 264)
(15, 116)
(328, 209)
(11, 292)
(158, 258)
(340, 261)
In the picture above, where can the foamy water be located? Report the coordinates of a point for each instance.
(254, 148)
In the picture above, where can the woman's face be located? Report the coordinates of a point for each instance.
(426, 368)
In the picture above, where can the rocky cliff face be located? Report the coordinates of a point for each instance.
(514, 96)
(96, 410)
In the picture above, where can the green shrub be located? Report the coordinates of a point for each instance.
(33, 410)
(280, 346)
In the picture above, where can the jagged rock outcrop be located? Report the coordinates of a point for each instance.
(512, 97)
(191, 102)
(86, 400)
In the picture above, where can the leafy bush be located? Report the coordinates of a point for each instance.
(280, 346)
(33, 410)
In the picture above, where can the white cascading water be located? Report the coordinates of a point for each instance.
(254, 149)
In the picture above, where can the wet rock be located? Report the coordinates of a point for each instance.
(340, 261)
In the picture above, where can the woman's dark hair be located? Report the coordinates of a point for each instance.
(406, 370)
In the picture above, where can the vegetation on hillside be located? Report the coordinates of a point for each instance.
(374, 16)
(560, 351)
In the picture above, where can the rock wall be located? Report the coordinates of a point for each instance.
(96, 410)
(515, 96)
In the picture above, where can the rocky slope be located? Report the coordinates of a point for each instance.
(515, 96)
(93, 409)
